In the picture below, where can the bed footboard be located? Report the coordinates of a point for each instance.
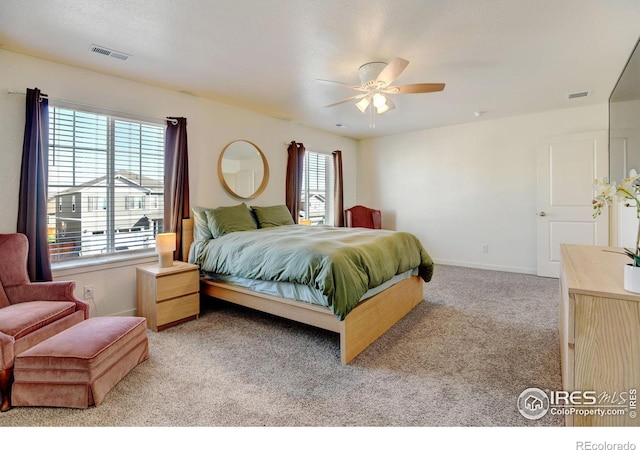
(375, 316)
(362, 326)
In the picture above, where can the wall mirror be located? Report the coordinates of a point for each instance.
(624, 146)
(624, 120)
(243, 169)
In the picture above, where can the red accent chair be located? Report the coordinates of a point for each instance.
(29, 312)
(361, 216)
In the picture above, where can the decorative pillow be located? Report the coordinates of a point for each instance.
(201, 231)
(227, 219)
(272, 216)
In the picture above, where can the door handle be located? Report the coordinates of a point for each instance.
(542, 213)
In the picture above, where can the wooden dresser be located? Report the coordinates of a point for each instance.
(599, 330)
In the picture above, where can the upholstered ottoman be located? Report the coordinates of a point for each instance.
(79, 366)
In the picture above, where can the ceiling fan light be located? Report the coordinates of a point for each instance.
(382, 109)
(379, 100)
(363, 104)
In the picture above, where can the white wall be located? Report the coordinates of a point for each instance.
(463, 186)
(211, 126)
(455, 187)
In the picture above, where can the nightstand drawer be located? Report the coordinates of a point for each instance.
(178, 308)
(177, 284)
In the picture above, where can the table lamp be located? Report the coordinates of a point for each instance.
(165, 246)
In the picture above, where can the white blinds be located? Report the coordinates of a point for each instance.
(317, 188)
(105, 187)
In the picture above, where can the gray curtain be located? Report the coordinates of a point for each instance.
(295, 169)
(32, 204)
(338, 190)
(176, 176)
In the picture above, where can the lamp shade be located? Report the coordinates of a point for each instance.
(363, 104)
(165, 242)
(382, 109)
(165, 246)
(379, 100)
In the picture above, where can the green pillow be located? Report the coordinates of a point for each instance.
(272, 216)
(201, 231)
(227, 219)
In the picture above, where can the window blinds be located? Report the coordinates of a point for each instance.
(105, 185)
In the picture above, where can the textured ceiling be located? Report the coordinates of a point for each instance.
(505, 57)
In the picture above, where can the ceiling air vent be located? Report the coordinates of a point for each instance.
(108, 52)
(577, 94)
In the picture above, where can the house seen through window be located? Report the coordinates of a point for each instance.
(317, 189)
(106, 183)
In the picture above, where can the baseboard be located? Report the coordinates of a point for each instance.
(449, 262)
(126, 313)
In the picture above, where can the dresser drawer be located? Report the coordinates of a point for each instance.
(178, 308)
(176, 285)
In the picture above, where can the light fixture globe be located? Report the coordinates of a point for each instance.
(363, 104)
(379, 100)
(382, 109)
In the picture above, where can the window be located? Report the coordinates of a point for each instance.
(102, 171)
(134, 202)
(97, 203)
(317, 189)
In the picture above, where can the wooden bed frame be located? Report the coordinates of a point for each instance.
(369, 320)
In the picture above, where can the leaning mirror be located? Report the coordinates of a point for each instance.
(243, 169)
(624, 145)
(624, 115)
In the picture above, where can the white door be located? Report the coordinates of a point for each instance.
(567, 168)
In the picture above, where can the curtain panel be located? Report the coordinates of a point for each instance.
(176, 175)
(338, 190)
(32, 203)
(295, 169)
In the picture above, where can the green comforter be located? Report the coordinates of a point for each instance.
(343, 263)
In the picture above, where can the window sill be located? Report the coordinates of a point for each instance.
(78, 266)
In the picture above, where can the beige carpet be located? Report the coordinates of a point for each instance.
(461, 358)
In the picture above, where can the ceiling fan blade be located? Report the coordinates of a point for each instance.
(348, 85)
(418, 88)
(392, 71)
(355, 97)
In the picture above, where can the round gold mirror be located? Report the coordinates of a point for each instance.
(243, 169)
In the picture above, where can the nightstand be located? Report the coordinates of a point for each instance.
(168, 296)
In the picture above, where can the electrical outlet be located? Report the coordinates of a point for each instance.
(485, 248)
(88, 292)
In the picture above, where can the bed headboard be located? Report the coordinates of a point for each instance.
(187, 237)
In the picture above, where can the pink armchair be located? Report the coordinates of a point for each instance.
(361, 216)
(29, 312)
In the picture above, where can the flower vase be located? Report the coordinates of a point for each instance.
(632, 278)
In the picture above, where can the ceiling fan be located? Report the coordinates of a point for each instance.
(376, 79)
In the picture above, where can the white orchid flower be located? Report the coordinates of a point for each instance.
(604, 191)
(629, 190)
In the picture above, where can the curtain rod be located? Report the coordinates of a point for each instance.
(173, 121)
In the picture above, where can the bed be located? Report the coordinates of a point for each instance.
(231, 272)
